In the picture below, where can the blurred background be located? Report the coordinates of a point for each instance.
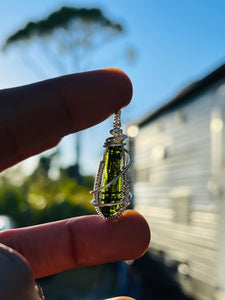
(177, 138)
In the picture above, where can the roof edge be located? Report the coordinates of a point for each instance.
(185, 93)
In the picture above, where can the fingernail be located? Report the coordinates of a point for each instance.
(39, 291)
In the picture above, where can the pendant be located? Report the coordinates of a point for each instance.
(111, 195)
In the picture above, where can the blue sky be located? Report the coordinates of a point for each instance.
(176, 41)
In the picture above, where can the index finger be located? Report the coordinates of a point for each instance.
(82, 241)
(35, 117)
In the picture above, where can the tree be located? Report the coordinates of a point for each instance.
(66, 36)
(67, 39)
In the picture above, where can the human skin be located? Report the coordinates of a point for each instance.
(34, 118)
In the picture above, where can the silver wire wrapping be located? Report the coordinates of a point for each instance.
(117, 140)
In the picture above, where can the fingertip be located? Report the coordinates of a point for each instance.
(13, 263)
(16, 276)
(124, 84)
(138, 232)
(93, 96)
(100, 241)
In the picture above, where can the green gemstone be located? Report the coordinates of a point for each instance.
(113, 193)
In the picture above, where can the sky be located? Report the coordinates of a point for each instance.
(176, 42)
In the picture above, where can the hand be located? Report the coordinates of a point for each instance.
(34, 118)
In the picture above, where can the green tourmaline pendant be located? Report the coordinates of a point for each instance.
(111, 193)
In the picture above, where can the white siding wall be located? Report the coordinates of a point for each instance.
(173, 171)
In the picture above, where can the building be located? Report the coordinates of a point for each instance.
(179, 156)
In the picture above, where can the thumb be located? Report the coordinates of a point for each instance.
(16, 282)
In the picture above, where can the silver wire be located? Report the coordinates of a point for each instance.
(116, 140)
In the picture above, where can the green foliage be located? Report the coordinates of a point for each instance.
(40, 199)
(62, 18)
(12, 203)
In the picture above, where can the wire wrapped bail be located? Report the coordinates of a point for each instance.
(111, 195)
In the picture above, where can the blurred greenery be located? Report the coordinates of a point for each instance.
(39, 198)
